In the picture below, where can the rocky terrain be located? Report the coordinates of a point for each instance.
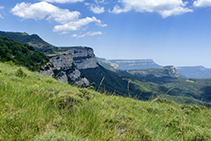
(66, 67)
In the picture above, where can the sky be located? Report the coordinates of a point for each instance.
(171, 32)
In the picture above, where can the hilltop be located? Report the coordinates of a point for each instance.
(32, 40)
(38, 107)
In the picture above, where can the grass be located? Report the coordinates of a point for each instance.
(37, 107)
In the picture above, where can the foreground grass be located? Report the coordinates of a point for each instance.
(37, 107)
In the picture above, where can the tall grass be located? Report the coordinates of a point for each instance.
(37, 107)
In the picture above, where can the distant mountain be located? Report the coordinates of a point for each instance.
(32, 40)
(199, 72)
(156, 75)
(135, 64)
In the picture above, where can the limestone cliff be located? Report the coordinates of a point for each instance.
(84, 58)
(66, 67)
(134, 64)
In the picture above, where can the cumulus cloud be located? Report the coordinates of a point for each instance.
(164, 7)
(69, 20)
(90, 33)
(202, 3)
(43, 9)
(76, 25)
(97, 9)
(64, 1)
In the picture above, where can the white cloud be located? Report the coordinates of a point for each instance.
(69, 20)
(43, 9)
(87, 34)
(75, 25)
(64, 1)
(164, 7)
(102, 25)
(202, 3)
(1, 16)
(74, 35)
(86, 3)
(97, 9)
(1, 7)
(100, 1)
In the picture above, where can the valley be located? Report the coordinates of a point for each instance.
(140, 79)
(79, 92)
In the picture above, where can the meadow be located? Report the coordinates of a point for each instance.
(38, 107)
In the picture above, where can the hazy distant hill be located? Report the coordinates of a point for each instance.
(195, 72)
(135, 64)
(32, 40)
(158, 74)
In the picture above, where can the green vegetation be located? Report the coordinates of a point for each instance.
(37, 107)
(21, 54)
(33, 40)
(193, 91)
(105, 80)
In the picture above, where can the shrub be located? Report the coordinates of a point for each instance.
(20, 73)
(11, 63)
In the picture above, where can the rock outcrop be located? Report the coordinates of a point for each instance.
(84, 58)
(66, 67)
(171, 70)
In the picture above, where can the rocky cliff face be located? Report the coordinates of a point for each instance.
(84, 58)
(66, 67)
(171, 70)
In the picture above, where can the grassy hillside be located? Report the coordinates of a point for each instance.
(37, 107)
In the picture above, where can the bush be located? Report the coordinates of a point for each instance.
(20, 73)
(11, 63)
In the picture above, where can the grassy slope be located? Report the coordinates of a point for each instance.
(37, 107)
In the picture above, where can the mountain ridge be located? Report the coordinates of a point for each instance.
(122, 83)
(32, 40)
(199, 72)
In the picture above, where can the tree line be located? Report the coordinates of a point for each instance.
(21, 54)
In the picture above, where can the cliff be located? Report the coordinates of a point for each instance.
(128, 64)
(66, 67)
(84, 58)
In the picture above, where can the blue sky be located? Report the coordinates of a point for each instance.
(171, 32)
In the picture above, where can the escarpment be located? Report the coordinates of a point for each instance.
(66, 67)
